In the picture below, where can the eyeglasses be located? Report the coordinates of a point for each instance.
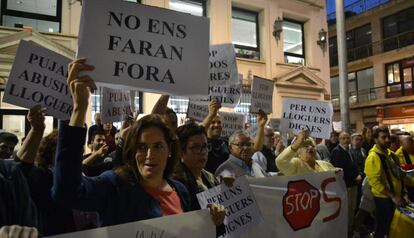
(198, 149)
(142, 149)
(243, 145)
(270, 135)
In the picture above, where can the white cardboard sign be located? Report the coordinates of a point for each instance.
(228, 95)
(145, 47)
(231, 122)
(311, 205)
(116, 105)
(38, 76)
(186, 225)
(274, 123)
(197, 110)
(312, 115)
(223, 65)
(241, 208)
(262, 95)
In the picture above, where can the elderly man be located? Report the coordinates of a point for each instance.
(300, 157)
(7, 143)
(342, 158)
(405, 155)
(266, 157)
(240, 161)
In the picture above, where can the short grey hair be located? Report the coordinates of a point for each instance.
(236, 134)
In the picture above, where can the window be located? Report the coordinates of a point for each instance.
(194, 7)
(360, 84)
(245, 30)
(197, 8)
(398, 29)
(293, 44)
(399, 76)
(358, 43)
(244, 105)
(39, 15)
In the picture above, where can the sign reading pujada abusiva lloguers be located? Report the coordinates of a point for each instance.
(145, 47)
(311, 205)
(241, 209)
(38, 76)
(312, 115)
(186, 225)
(223, 65)
(116, 105)
(262, 95)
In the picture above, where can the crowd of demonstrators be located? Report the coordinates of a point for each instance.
(106, 128)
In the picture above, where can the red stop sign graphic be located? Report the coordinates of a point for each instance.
(301, 204)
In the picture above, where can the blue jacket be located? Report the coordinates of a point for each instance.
(113, 197)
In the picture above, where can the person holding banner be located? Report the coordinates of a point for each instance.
(140, 188)
(300, 157)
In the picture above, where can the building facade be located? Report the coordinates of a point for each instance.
(274, 39)
(380, 45)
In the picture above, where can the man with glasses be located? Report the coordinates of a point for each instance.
(266, 157)
(240, 161)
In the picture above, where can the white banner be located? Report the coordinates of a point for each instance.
(231, 122)
(186, 225)
(116, 105)
(197, 110)
(312, 205)
(38, 76)
(262, 95)
(228, 95)
(223, 65)
(312, 115)
(145, 47)
(337, 126)
(242, 211)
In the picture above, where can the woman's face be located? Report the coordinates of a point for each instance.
(152, 153)
(307, 153)
(368, 134)
(196, 153)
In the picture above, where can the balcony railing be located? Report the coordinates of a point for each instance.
(364, 96)
(356, 8)
(387, 44)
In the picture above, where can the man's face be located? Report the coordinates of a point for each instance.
(242, 148)
(357, 141)
(344, 139)
(98, 142)
(215, 128)
(383, 140)
(334, 138)
(6, 149)
(269, 138)
(408, 145)
(107, 126)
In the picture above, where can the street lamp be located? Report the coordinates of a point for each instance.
(277, 28)
(322, 38)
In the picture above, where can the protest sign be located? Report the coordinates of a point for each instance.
(262, 95)
(301, 114)
(241, 209)
(337, 126)
(227, 95)
(231, 122)
(38, 76)
(145, 47)
(223, 65)
(186, 225)
(252, 131)
(116, 105)
(197, 111)
(274, 123)
(311, 205)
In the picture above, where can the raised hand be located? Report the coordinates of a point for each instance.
(262, 118)
(36, 117)
(217, 213)
(214, 106)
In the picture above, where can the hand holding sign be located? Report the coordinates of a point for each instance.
(213, 107)
(36, 117)
(300, 139)
(217, 213)
(80, 88)
(262, 119)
